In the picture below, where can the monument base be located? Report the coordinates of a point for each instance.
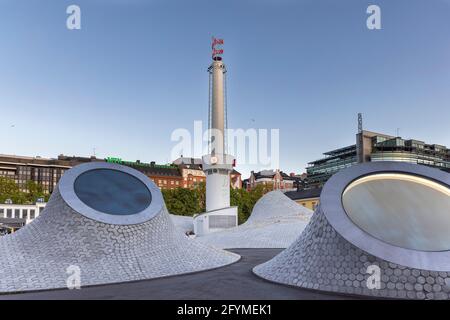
(215, 220)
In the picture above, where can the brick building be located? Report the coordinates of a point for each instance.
(192, 173)
(164, 176)
(276, 178)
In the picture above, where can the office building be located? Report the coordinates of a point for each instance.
(373, 147)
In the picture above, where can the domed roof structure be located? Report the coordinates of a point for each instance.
(381, 229)
(110, 223)
(184, 223)
(275, 205)
(276, 221)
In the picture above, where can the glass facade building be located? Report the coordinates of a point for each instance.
(412, 151)
(319, 171)
(377, 147)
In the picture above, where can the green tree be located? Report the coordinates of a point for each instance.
(185, 202)
(200, 188)
(35, 191)
(10, 190)
(241, 199)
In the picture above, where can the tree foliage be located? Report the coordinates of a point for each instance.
(184, 202)
(10, 190)
(35, 191)
(187, 202)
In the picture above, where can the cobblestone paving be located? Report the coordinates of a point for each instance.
(37, 256)
(322, 259)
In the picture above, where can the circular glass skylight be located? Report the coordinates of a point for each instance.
(112, 192)
(404, 210)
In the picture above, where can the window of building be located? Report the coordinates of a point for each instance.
(16, 213)
(24, 214)
(2, 213)
(32, 213)
(8, 213)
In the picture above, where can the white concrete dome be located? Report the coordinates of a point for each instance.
(77, 228)
(276, 221)
(183, 223)
(276, 205)
(380, 230)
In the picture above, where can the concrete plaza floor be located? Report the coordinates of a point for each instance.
(234, 281)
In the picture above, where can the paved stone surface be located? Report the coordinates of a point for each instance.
(235, 281)
(322, 259)
(276, 221)
(37, 256)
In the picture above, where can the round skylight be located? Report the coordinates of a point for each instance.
(404, 210)
(112, 192)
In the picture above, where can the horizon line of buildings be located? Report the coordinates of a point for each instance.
(182, 173)
(186, 172)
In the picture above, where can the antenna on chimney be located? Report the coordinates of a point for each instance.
(360, 123)
(360, 140)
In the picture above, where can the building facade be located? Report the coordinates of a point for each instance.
(372, 146)
(164, 176)
(193, 174)
(276, 179)
(15, 216)
(47, 171)
(309, 198)
(191, 171)
(235, 180)
(44, 171)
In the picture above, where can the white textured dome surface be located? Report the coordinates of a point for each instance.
(183, 223)
(276, 221)
(334, 254)
(276, 205)
(37, 256)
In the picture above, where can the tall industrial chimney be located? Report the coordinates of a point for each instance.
(217, 164)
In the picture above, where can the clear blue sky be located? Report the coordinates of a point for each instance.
(137, 70)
